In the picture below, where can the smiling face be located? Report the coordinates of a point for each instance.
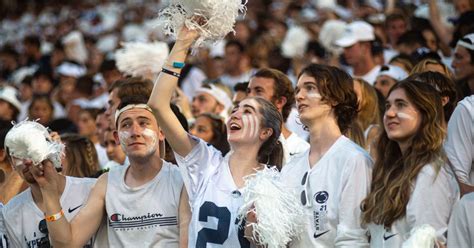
(401, 119)
(244, 122)
(138, 133)
(308, 101)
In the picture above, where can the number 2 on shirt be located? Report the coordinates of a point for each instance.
(219, 235)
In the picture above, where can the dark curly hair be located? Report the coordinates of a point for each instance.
(337, 89)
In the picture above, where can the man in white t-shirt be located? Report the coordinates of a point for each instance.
(459, 145)
(333, 175)
(140, 201)
(276, 87)
(24, 217)
(356, 42)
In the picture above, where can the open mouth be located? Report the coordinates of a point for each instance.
(234, 127)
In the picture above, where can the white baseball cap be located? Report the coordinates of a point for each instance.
(355, 32)
(10, 95)
(393, 71)
(220, 95)
(467, 41)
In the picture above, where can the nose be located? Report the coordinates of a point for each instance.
(299, 95)
(135, 130)
(390, 112)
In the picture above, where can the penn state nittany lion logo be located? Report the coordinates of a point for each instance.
(321, 197)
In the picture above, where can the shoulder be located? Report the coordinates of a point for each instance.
(81, 181)
(17, 202)
(171, 169)
(348, 150)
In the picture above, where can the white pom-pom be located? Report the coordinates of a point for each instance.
(294, 44)
(30, 140)
(141, 59)
(219, 17)
(279, 219)
(423, 236)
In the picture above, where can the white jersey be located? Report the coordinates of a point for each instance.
(459, 145)
(370, 76)
(23, 218)
(145, 216)
(3, 231)
(335, 187)
(431, 202)
(461, 224)
(214, 199)
(293, 145)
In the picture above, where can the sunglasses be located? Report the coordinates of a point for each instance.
(44, 241)
(305, 200)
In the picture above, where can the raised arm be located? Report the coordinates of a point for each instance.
(165, 85)
(85, 224)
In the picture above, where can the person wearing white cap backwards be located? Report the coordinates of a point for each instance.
(356, 42)
(140, 201)
(211, 99)
(463, 64)
(29, 146)
(388, 76)
(9, 104)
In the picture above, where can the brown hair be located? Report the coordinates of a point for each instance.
(394, 171)
(134, 86)
(282, 87)
(81, 156)
(337, 89)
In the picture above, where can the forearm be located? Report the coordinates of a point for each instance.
(59, 230)
(166, 84)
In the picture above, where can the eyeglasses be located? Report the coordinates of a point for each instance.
(44, 241)
(305, 200)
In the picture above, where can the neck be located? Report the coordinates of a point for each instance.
(142, 170)
(323, 134)
(363, 66)
(470, 83)
(404, 146)
(243, 162)
(286, 133)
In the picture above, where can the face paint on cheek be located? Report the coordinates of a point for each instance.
(123, 137)
(151, 135)
(314, 95)
(406, 116)
(245, 127)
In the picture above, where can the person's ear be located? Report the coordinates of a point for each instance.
(280, 103)
(266, 133)
(444, 100)
(116, 137)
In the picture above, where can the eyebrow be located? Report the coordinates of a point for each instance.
(249, 106)
(397, 100)
(138, 118)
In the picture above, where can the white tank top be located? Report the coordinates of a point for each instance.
(145, 216)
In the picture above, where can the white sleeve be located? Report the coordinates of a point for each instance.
(461, 225)
(3, 231)
(432, 200)
(459, 142)
(198, 166)
(356, 178)
(10, 236)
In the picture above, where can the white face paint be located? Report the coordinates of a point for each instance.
(250, 127)
(314, 95)
(402, 115)
(124, 137)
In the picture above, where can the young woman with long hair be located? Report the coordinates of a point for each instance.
(411, 184)
(212, 181)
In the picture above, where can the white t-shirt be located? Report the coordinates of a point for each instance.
(101, 155)
(459, 145)
(3, 231)
(335, 187)
(214, 199)
(145, 216)
(461, 224)
(22, 216)
(293, 123)
(292, 146)
(431, 202)
(370, 76)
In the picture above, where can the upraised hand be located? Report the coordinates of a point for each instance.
(46, 176)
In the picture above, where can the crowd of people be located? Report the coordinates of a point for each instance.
(366, 109)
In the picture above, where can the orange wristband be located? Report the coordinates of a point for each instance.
(54, 217)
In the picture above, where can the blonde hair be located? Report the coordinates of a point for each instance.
(422, 66)
(394, 171)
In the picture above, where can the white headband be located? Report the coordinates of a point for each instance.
(118, 112)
